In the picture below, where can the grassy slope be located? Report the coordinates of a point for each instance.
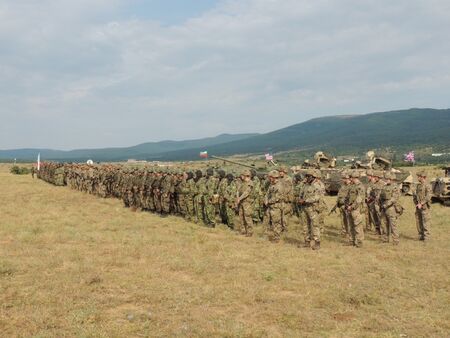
(75, 265)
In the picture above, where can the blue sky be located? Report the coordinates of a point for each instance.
(101, 73)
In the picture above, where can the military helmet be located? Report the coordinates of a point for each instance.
(389, 175)
(378, 173)
(370, 172)
(345, 174)
(246, 172)
(274, 174)
(355, 174)
(422, 173)
(283, 168)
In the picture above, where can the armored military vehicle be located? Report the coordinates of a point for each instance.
(441, 187)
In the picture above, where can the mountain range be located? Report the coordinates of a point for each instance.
(400, 129)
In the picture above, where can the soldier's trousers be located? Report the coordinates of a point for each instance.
(157, 200)
(209, 211)
(190, 210)
(312, 226)
(287, 213)
(182, 204)
(275, 224)
(390, 223)
(150, 202)
(223, 211)
(165, 203)
(375, 217)
(245, 226)
(423, 223)
(344, 222)
(198, 206)
(230, 216)
(257, 210)
(356, 218)
(302, 218)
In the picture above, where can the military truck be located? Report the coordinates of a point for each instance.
(441, 187)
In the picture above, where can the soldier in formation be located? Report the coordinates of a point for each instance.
(244, 200)
(422, 202)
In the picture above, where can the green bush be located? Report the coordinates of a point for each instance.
(16, 170)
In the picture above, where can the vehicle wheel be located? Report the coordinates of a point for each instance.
(406, 189)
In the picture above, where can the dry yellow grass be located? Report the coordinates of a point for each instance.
(76, 265)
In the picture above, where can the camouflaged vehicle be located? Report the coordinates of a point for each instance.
(441, 187)
(331, 176)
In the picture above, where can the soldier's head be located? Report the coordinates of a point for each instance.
(246, 175)
(273, 176)
(198, 174)
(190, 175)
(221, 173)
(421, 176)
(354, 176)
(389, 177)
(253, 172)
(209, 172)
(230, 177)
(282, 170)
(345, 177)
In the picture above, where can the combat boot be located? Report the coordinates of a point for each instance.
(316, 245)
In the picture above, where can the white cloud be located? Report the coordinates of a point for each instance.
(79, 74)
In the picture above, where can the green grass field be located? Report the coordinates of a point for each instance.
(73, 265)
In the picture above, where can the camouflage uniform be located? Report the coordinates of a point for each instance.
(355, 207)
(210, 199)
(229, 198)
(373, 201)
(167, 190)
(391, 208)
(312, 200)
(340, 203)
(422, 197)
(288, 196)
(245, 205)
(274, 202)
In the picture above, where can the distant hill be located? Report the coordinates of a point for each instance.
(336, 134)
(343, 134)
(141, 151)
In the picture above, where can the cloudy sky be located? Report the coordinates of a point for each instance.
(96, 73)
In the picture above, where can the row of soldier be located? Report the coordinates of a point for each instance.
(241, 201)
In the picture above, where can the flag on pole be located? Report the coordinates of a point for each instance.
(409, 157)
(204, 154)
(39, 162)
(269, 157)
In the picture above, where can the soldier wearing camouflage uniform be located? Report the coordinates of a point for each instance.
(244, 203)
(422, 201)
(374, 188)
(274, 203)
(340, 203)
(311, 200)
(355, 208)
(288, 195)
(229, 200)
(391, 208)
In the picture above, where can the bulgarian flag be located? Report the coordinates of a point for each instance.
(39, 162)
(204, 154)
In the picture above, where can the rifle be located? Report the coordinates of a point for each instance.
(333, 210)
